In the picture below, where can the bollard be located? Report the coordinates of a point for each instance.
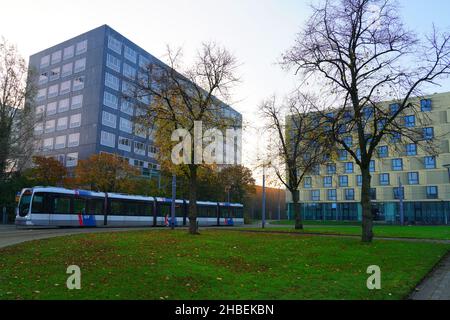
(5, 216)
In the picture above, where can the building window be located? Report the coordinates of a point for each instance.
(373, 194)
(56, 57)
(411, 149)
(397, 164)
(128, 89)
(428, 133)
(350, 194)
(348, 141)
(126, 125)
(372, 166)
(139, 148)
(82, 47)
(78, 83)
(425, 105)
(69, 52)
(432, 192)
(359, 180)
(80, 65)
(124, 144)
(109, 119)
(62, 124)
(113, 63)
(63, 105)
(53, 91)
(143, 62)
(332, 195)
(315, 195)
(110, 100)
(368, 112)
(413, 178)
(112, 81)
(307, 184)
(40, 111)
(51, 108)
(328, 182)
(39, 128)
(348, 167)
(48, 144)
(383, 151)
(55, 73)
(343, 181)
(393, 108)
(129, 71)
(60, 142)
(77, 102)
(74, 140)
(108, 139)
(315, 170)
(67, 70)
(384, 179)
(396, 137)
(45, 61)
(75, 121)
(410, 121)
(115, 45)
(140, 131)
(343, 155)
(130, 54)
(152, 150)
(43, 78)
(65, 87)
(399, 193)
(72, 159)
(430, 162)
(127, 107)
(331, 168)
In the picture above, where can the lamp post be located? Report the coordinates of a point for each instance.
(174, 196)
(263, 215)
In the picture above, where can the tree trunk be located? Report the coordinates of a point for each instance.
(297, 210)
(193, 200)
(367, 218)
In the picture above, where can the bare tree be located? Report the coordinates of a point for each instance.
(15, 116)
(176, 97)
(361, 54)
(299, 143)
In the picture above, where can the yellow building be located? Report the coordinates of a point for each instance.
(333, 191)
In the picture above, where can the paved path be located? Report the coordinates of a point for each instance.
(436, 286)
(10, 235)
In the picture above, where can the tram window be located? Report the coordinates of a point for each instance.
(116, 208)
(61, 205)
(95, 206)
(38, 205)
(79, 206)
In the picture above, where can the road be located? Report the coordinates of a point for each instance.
(10, 235)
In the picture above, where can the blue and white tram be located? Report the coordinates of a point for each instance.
(49, 206)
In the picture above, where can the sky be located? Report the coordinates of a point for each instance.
(257, 32)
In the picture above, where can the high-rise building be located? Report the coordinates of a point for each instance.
(80, 104)
(400, 171)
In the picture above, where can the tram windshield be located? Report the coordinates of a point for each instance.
(24, 204)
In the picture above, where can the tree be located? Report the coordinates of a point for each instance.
(47, 172)
(360, 53)
(16, 125)
(238, 181)
(107, 173)
(177, 99)
(299, 143)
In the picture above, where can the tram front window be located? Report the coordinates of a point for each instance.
(24, 204)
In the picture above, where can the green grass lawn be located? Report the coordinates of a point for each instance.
(215, 265)
(414, 232)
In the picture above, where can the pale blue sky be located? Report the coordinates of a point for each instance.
(256, 31)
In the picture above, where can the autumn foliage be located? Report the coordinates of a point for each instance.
(47, 171)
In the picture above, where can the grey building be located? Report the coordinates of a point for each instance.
(80, 108)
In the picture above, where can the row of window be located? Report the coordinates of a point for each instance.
(74, 121)
(384, 179)
(128, 89)
(57, 89)
(76, 102)
(60, 142)
(67, 53)
(129, 54)
(115, 64)
(62, 72)
(125, 125)
(349, 194)
(108, 139)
